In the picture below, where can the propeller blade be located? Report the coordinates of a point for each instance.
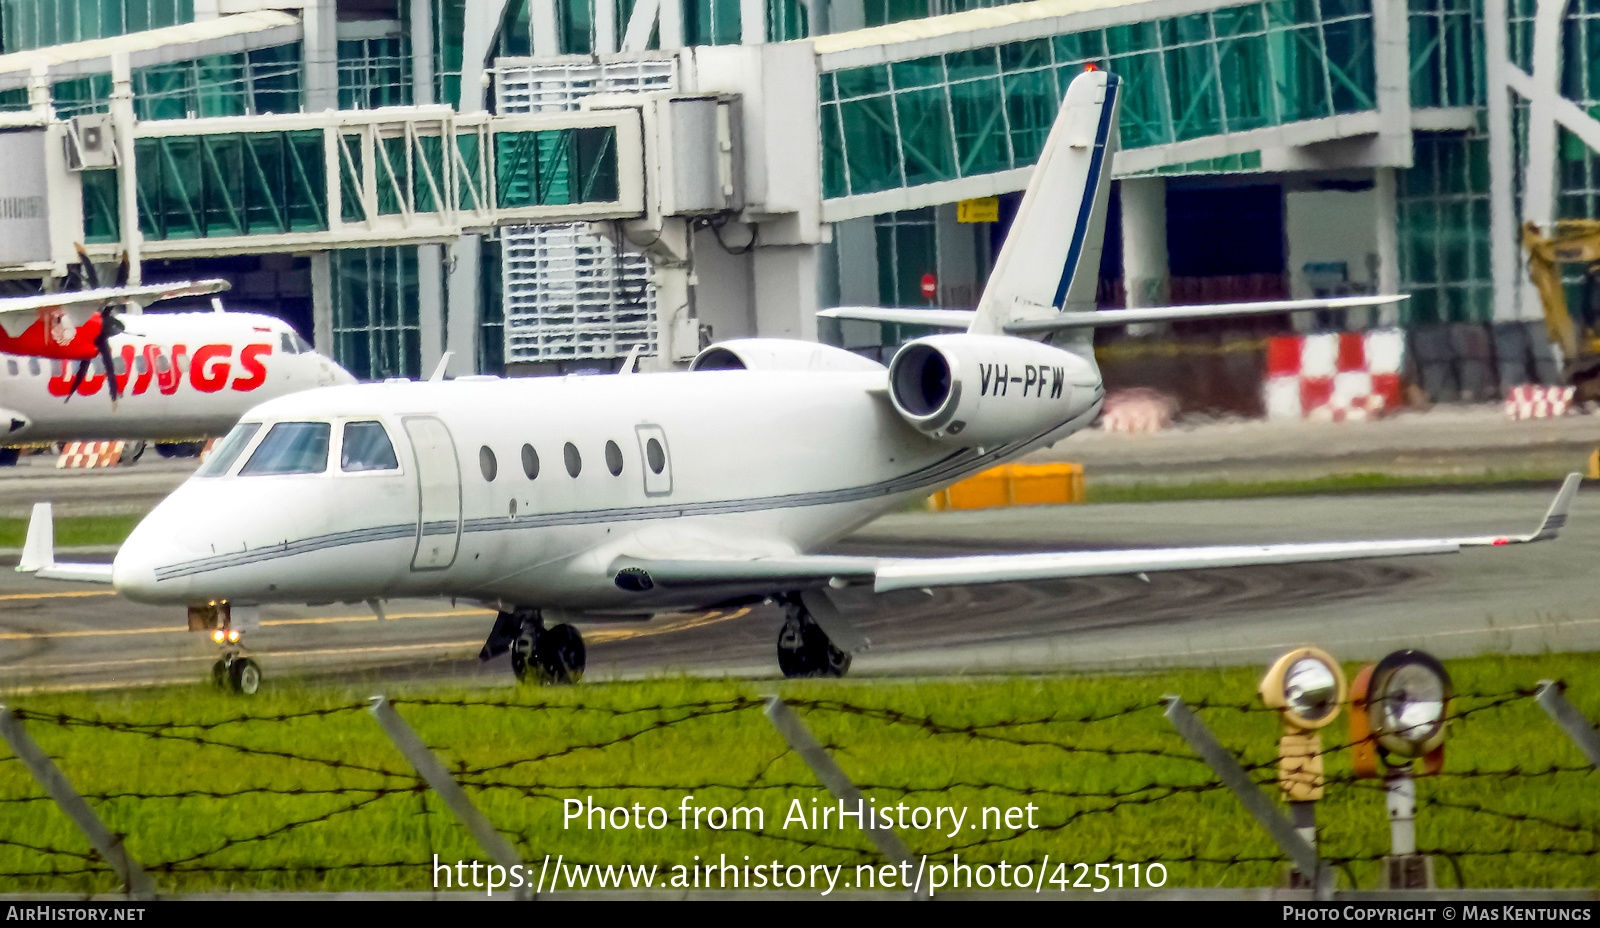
(103, 342)
(74, 279)
(122, 271)
(77, 379)
(90, 275)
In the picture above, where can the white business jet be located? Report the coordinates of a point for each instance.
(588, 498)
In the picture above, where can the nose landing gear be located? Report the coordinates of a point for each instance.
(234, 672)
(544, 656)
(237, 673)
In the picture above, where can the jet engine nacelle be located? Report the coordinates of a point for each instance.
(973, 390)
(779, 354)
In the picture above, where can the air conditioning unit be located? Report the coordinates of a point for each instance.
(91, 142)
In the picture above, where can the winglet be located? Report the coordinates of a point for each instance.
(444, 362)
(38, 551)
(1556, 519)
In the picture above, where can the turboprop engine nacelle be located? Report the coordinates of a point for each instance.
(988, 389)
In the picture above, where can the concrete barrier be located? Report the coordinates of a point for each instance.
(1014, 485)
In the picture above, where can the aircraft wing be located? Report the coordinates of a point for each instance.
(962, 318)
(19, 312)
(789, 574)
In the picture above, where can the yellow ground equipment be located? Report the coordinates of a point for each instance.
(1574, 241)
(1014, 485)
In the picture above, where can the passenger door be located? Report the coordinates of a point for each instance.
(657, 459)
(438, 493)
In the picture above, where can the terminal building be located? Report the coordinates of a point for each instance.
(540, 186)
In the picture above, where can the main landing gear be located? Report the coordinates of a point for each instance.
(804, 649)
(237, 673)
(545, 656)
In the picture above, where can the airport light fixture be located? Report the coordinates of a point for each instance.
(1307, 687)
(1400, 713)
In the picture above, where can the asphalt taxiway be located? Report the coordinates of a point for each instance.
(1530, 598)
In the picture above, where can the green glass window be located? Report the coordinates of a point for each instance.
(225, 185)
(711, 22)
(924, 126)
(555, 167)
(375, 326)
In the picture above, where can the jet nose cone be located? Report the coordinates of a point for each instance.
(133, 574)
(134, 571)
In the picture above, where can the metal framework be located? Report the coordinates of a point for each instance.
(362, 178)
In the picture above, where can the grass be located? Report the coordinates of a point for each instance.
(1015, 741)
(74, 531)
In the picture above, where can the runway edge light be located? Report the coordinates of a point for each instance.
(1399, 713)
(1306, 686)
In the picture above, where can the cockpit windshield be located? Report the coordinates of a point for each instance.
(221, 459)
(291, 448)
(366, 446)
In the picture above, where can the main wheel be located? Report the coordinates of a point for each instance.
(561, 655)
(132, 451)
(244, 675)
(524, 647)
(804, 650)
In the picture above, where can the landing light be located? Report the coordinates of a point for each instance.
(217, 636)
(233, 634)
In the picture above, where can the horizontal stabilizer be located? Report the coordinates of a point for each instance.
(962, 318)
(1102, 317)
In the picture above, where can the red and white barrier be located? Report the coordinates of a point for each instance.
(1334, 377)
(90, 454)
(1533, 402)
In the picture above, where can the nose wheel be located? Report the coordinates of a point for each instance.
(237, 674)
(545, 656)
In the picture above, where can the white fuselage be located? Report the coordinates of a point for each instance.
(752, 463)
(182, 376)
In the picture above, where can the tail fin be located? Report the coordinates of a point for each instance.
(1051, 258)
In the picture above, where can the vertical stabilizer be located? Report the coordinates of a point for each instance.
(1051, 258)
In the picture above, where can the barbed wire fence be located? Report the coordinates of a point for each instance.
(1113, 798)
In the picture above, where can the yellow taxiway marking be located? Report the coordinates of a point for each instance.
(679, 623)
(58, 595)
(165, 630)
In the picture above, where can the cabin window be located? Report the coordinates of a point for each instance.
(365, 447)
(291, 448)
(530, 461)
(120, 365)
(162, 364)
(613, 459)
(655, 456)
(287, 342)
(33, 367)
(141, 364)
(56, 368)
(12, 368)
(487, 463)
(221, 459)
(574, 460)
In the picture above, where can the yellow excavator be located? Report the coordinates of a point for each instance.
(1574, 241)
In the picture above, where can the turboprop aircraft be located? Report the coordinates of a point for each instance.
(587, 498)
(180, 375)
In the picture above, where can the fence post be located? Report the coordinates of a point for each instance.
(1255, 802)
(440, 781)
(1566, 715)
(816, 757)
(109, 846)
